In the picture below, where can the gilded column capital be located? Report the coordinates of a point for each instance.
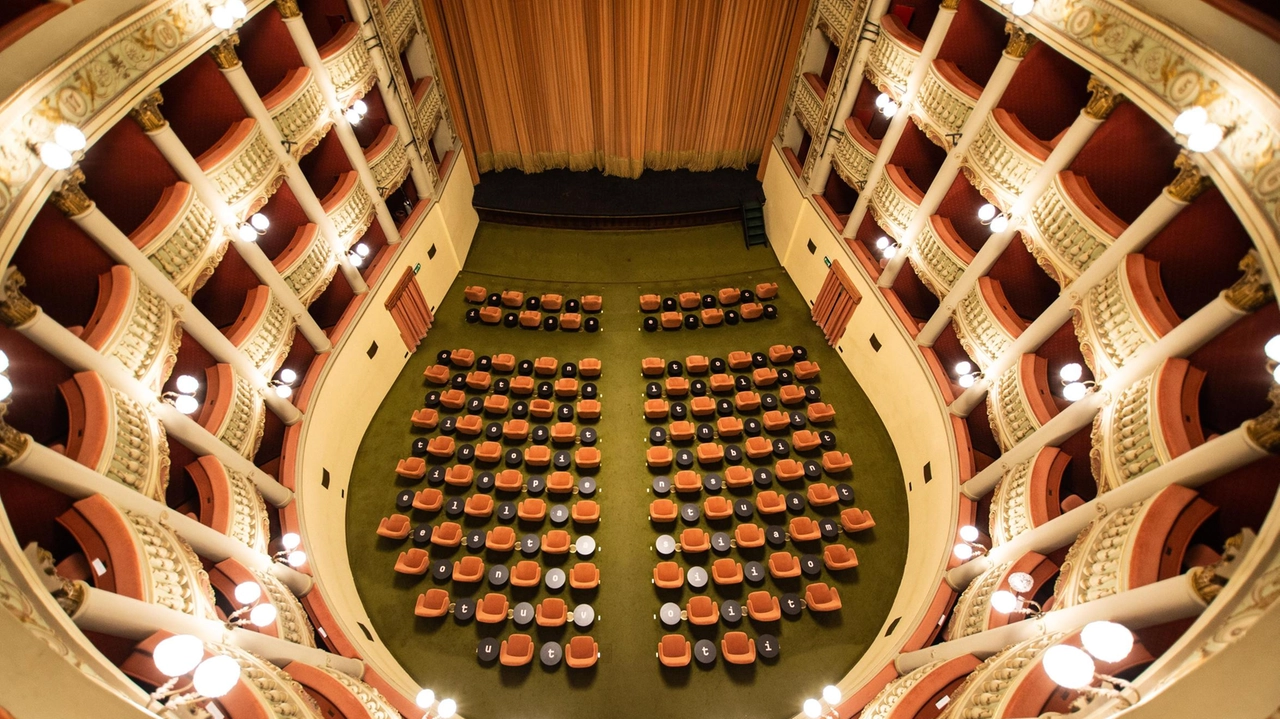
(70, 197)
(1191, 180)
(1253, 290)
(147, 112)
(1020, 41)
(16, 308)
(950, 4)
(224, 53)
(288, 8)
(1102, 99)
(12, 442)
(1264, 430)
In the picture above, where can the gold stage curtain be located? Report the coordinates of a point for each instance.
(616, 85)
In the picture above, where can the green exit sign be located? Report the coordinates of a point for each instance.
(419, 266)
(827, 260)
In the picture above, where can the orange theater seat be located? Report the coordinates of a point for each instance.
(658, 456)
(788, 470)
(469, 569)
(526, 573)
(586, 511)
(441, 447)
(492, 608)
(759, 447)
(694, 540)
(546, 366)
(770, 502)
(551, 302)
(650, 303)
(726, 571)
(763, 607)
(512, 298)
(566, 387)
(702, 611)
(746, 401)
(671, 320)
(584, 575)
(437, 374)
(446, 534)
(459, 475)
(838, 556)
(537, 456)
(531, 319)
(479, 505)
(504, 362)
(712, 316)
(780, 353)
(821, 598)
(589, 367)
(820, 495)
(807, 370)
(767, 290)
(751, 311)
(748, 536)
(428, 500)
(677, 386)
(592, 303)
(783, 565)
(856, 520)
(588, 409)
(412, 467)
(462, 357)
(453, 398)
(491, 315)
(721, 383)
(805, 439)
(522, 386)
(582, 651)
(687, 480)
(702, 406)
(681, 430)
(475, 293)
(500, 539)
(434, 603)
(668, 575)
(728, 295)
(551, 612)
(508, 480)
(710, 453)
(560, 483)
(776, 420)
(655, 409)
(689, 300)
(414, 561)
(737, 476)
(804, 529)
(479, 380)
(717, 507)
(425, 418)
(738, 648)
(663, 510)
(556, 541)
(564, 432)
(532, 509)
(674, 651)
(834, 461)
(488, 452)
(696, 364)
(570, 321)
(515, 429)
(765, 377)
(587, 458)
(394, 527)
(517, 650)
(729, 426)
(790, 394)
(496, 405)
(470, 425)
(739, 360)
(652, 366)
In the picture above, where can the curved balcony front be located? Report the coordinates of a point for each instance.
(810, 95)
(348, 63)
(1069, 227)
(115, 435)
(263, 331)
(855, 154)
(427, 106)
(1028, 495)
(834, 17)
(349, 207)
(397, 21)
(1003, 158)
(230, 503)
(892, 57)
(134, 325)
(938, 255)
(297, 108)
(910, 694)
(945, 101)
(973, 612)
(1124, 313)
(894, 200)
(307, 264)
(291, 623)
(182, 238)
(985, 323)
(243, 167)
(352, 698)
(1019, 401)
(388, 160)
(233, 411)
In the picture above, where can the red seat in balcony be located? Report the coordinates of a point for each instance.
(759, 447)
(479, 380)
(764, 377)
(710, 453)
(425, 418)
(717, 507)
(728, 426)
(770, 502)
(589, 367)
(689, 300)
(566, 388)
(820, 412)
(746, 401)
(440, 447)
(737, 476)
(658, 456)
(515, 429)
(462, 357)
(588, 409)
(469, 425)
(512, 299)
(656, 409)
(489, 452)
(726, 571)
(584, 575)
(475, 293)
(694, 540)
(479, 505)
(491, 315)
(671, 320)
(508, 480)
(453, 398)
(751, 311)
(791, 395)
(677, 386)
(459, 475)
(780, 353)
(526, 573)
(532, 509)
(835, 462)
(776, 421)
(503, 362)
(587, 458)
(650, 303)
(681, 430)
(783, 565)
(729, 296)
(551, 612)
(687, 480)
(712, 316)
(807, 370)
(766, 290)
(592, 303)
(556, 541)
(696, 364)
(739, 360)
(804, 529)
(820, 495)
(521, 386)
(788, 470)
(537, 456)
(500, 539)
(551, 302)
(653, 366)
(546, 366)
(582, 651)
(531, 319)
(701, 407)
(805, 439)
(586, 511)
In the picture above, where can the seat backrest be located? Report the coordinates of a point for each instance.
(673, 645)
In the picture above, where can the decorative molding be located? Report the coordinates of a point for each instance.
(1102, 99)
(16, 309)
(1190, 181)
(1020, 41)
(224, 53)
(973, 608)
(882, 706)
(147, 112)
(991, 684)
(1253, 290)
(1264, 430)
(70, 197)
(288, 9)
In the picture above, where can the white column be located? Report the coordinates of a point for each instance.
(298, 184)
(128, 618)
(179, 157)
(73, 352)
(355, 154)
(889, 142)
(121, 248)
(1019, 43)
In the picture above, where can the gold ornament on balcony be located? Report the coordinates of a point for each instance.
(224, 53)
(1191, 180)
(1253, 290)
(1020, 41)
(147, 112)
(1102, 99)
(70, 197)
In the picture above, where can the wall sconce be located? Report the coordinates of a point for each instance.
(64, 149)
(1196, 132)
(1073, 668)
(253, 229)
(260, 614)
(1007, 602)
(965, 376)
(229, 14)
(1020, 8)
(6, 386)
(356, 112)
(888, 248)
(968, 548)
(445, 709)
(831, 696)
(1271, 348)
(887, 105)
(1073, 389)
(283, 386)
(179, 655)
(991, 216)
(358, 254)
(291, 555)
(184, 400)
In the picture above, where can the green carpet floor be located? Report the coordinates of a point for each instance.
(628, 680)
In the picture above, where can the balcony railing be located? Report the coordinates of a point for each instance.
(1027, 495)
(893, 55)
(855, 154)
(388, 160)
(233, 410)
(297, 108)
(115, 435)
(834, 17)
(182, 238)
(809, 98)
(427, 105)
(350, 208)
(348, 63)
(1070, 227)
(243, 167)
(938, 255)
(230, 503)
(1003, 158)
(1019, 401)
(894, 200)
(291, 623)
(263, 331)
(134, 325)
(984, 322)
(398, 21)
(1122, 314)
(945, 101)
(307, 264)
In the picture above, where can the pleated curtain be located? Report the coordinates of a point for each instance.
(616, 85)
(409, 310)
(835, 303)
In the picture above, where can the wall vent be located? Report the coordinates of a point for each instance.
(373, 349)
(875, 343)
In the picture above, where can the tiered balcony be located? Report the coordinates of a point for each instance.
(134, 325)
(297, 108)
(350, 68)
(1027, 495)
(834, 17)
(428, 106)
(398, 21)
(914, 692)
(136, 557)
(894, 200)
(230, 503)
(233, 410)
(307, 264)
(810, 94)
(263, 331)
(984, 322)
(1070, 227)
(351, 697)
(1153, 421)
(291, 623)
(945, 101)
(1124, 313)
(262, 690)
(388, 160)
(349, 207)
(1003, 158)
(855, 154)
(1019, 401)
(973, 613)
(243, 167)
(892, 57)
(115, 436)
(938, 255)
(181, 237)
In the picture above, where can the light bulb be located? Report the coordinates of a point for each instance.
(1272, 348)
(246, 233)
(4, 358)
(55, 156)
(178, 654)
(890, 109)
(966, 380)
(248, 592)
(1276, 374)
(969, 533)
(351, 116)
(1107, 641)
(186, 404)
(1000, 223)
(291, 540)
(222, 17)
(263, 615)
(187, 384)
(1190, 120)
(288, 376)
(297, 558)
(1071, 372)
(882, 242)
(362, 249)
(284, 391)
(1206, 138)
(237, 9)
(1021, 7)
(216, 676)
(6, 388)
(1070, 667)
(986, 212)
(964, 367)
(360, 107)
(1021, 582)
(425, 699)
(882, 99)
(831, 694)
(890, 252)
(963, 552)
(812, 708)
(69, 138)
(447, 708)
(259, 221)
(356, 260)
(1074, 392)
(1004, 601)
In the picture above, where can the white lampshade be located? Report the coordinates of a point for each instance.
(447, 708)
(362, 249)
(1021, 7)
(360, 107)
(222, 17)
(831, 694)
(6, 388)
(964, 367)
(1205, 139)
(69, 137)
(1276, 374)
(969, 533)
(186, 404)
(1107, 641)
(4, 358)
(1190, 120)
(248, 592)
(187, 384)
(356, 260)
(1272, 348)
(966, 380)
(812, 708)
(890, 109)
(237, 9)
(986, 212)
(297, 558)
(246, 233)
(1068, 666)
(284, 391)
(1021, 582)
(963, 552)
(288, 376)
(425, 699)
(55, 156)
(1074, 392)
(890, 252)
(263, 615)
(352, 117)
(216, 676)
(1071, 372)
(1004, 601)
(291, 540)
(178, 654)
(882, 99)
(259, 221)
(999, 223)
(882, 242)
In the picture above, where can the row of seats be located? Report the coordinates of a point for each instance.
(768, 502)
(505, 363)
(774, 420)
(515, 299)
(695, 540)
(675, 651)
(712, 317)
(739, 361)
(580, 652)
(692, 300)
(533, 319)
(786, 470)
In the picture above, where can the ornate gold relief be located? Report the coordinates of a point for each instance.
(1020, 41)
(950, 4)
(288, 8)
(1253, 290)
(16, 308)
(68, 593)
(224, 53)
(1191, 180)
(70, 197)
(1102, 99)
(12, 442)
(147, 112)
(1264, 430)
